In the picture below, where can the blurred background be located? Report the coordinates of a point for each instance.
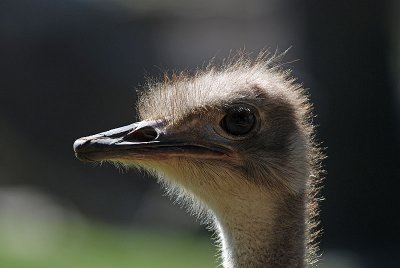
(73, 68)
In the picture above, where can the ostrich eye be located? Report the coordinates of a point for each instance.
(238, 121)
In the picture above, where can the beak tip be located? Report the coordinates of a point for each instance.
(79, 144)
(79, 147)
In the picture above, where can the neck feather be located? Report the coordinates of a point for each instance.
(257, 226)
(263, 232)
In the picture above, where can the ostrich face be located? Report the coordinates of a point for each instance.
(241, 125)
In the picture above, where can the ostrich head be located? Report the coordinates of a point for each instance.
(234, 142)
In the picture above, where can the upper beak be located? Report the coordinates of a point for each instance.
(146, 140)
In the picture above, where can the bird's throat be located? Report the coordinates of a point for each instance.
(257, 226)
(265, 233)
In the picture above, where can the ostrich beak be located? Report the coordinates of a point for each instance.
(145, 140)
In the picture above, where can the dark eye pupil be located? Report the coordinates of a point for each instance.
(238, 121)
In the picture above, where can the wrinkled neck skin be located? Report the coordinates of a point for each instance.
(262, 231)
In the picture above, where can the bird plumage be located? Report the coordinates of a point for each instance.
(257, 190)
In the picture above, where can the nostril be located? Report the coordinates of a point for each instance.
(142, 135)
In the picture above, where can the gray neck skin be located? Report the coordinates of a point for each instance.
(265, 233)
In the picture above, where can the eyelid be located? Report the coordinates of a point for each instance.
(240, 105)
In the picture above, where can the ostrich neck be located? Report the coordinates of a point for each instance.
(262, 231)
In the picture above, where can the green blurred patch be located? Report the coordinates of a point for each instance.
(84, 245)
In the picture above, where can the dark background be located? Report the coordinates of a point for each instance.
(71, 68)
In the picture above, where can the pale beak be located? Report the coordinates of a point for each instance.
(145, 140)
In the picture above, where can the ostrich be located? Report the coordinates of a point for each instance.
(235, 143)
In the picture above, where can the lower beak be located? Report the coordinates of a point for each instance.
(142, 141)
